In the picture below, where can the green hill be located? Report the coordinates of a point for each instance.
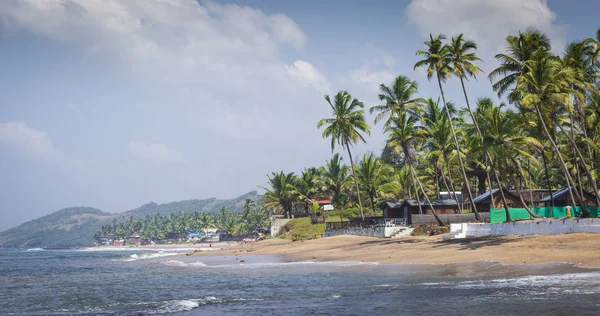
(75, 226)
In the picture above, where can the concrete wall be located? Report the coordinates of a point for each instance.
(371, 232)
(424, 219)
(277, 224)
(548, 227)
(381, 232)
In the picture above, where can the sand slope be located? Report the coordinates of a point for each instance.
(582, 249)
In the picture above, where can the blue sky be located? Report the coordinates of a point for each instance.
(113, 104)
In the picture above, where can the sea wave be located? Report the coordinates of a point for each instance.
(148, 255)
(244, 265)
(36, 249)
(176, 263)
(176, 306)
(588, 280)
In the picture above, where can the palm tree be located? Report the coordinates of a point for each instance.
(336, 182)
(345, 128)
(307, 185)
(439, 142)
(280, 195)
(504, 142)
(544, 85)
(463, 67)
(519, 49)
(398, 98)
(403, 137)
(372, 174)
(438, 60)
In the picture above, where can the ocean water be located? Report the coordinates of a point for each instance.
(144, 282)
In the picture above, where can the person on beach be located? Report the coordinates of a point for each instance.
(568, 210)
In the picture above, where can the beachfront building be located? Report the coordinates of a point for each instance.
(532, 198)
(563, 198)
(408, 208)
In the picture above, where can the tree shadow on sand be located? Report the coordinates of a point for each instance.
(475, 243)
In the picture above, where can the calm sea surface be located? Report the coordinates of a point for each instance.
(143, 282)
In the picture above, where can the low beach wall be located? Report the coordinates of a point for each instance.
(429, 219)
(357, 231)
(379, 231)
(548, 227)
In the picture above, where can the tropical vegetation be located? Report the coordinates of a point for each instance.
(541, 131)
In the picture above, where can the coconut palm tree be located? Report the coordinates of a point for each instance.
(438, 61)
(280, 195)
(439, 142)
(372, 174)
(545, 85)
(308, 185)
(403, 136)
(519, 49)
(397, 98)
(335, 176)
(505, 143)
(345, 127)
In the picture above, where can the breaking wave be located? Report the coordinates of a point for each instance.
(36, 249)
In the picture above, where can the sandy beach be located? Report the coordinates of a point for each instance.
(580, 249)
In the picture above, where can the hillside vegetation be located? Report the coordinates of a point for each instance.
(75, 226)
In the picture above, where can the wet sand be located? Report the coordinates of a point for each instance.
(580, 249)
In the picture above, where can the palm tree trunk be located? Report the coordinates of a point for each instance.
(548, 181)
(517, 167)
(451, 192)
(562, 161)
(460, 208)
(414, 182)
(426, 197)
(460, 161)
(585, 168)
(462, 83)
(362, 215)
(501, 189)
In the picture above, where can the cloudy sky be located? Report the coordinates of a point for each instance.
(116, 103)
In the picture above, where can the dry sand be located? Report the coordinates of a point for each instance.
(581, 249)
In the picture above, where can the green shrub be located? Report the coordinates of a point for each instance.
(302, 229)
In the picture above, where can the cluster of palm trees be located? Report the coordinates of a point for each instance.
(547, 138)
(178, 225)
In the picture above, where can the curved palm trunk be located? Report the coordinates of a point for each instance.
(487, 156)
(460, 161)
(460, 208)
(548, 181)
(584, 166)
(414, 182)
(362, 215)
(426, 197)
(514, 161)
(562, 161)
(501, 189)
(454, 195)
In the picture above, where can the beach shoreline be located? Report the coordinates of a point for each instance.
(580, 249)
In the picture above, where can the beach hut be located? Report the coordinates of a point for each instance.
(410, 207)
(563, 198)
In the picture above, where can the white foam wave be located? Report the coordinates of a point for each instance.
(176, 263)
(588, 280)
(295, 263)
(149, 255)
(176, 306)
(36, 249)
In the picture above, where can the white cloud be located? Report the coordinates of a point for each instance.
(487, 22)
(157, 153)
(35, 143)
(308, 75)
